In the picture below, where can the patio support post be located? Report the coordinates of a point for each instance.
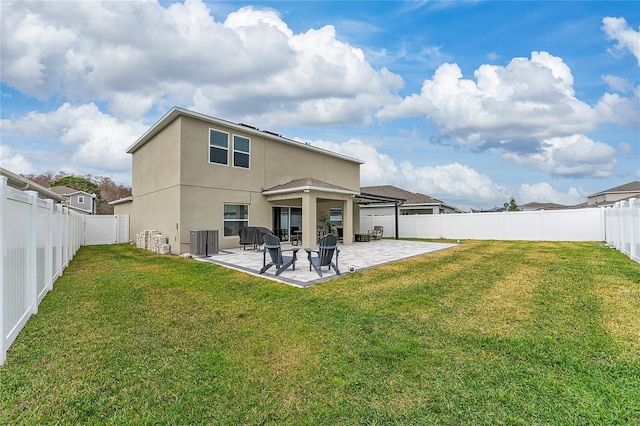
(347, 222)
(397, 226)
(309, 220)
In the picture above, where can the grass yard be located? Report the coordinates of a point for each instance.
(485, 333)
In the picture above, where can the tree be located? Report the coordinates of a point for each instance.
(79, 183)
(513, 207)
(105, 189)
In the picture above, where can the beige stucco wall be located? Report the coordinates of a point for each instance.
(159, 211)
(155, 186)
(174, 183)
(123, 209)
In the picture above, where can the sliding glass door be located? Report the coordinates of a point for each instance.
(286, 220)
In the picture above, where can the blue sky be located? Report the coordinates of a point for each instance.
(468, 102)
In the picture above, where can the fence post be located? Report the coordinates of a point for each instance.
(3, 203)
(65, 236)
(48, 268)
(58, 208)
(633, 232)
(32, 251)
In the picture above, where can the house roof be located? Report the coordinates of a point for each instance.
(627, 187)
(65, 190)
(24, 184)
(307, 184)
(121, 200)
(395, 192)
(176, 112)
(542, 206)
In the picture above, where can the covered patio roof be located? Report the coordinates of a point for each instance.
(368, 199)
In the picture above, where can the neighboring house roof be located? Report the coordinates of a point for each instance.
(627, 187)
(121, 200)
(176, 112)
(306, 184)
(550, 206)
(24, 184)
(411, 198)
(542, 206)
(66, 191)
(395, 192)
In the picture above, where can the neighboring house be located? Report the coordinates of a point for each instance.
(195, 172)
(414, 202)
(610, 196)
(79, 201)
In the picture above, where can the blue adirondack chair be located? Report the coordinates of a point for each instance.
(327, 247)
(281, 262)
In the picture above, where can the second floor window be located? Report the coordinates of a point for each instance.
(218, 147)
(241, 151)
(80, 199)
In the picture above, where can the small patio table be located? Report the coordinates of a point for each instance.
(362, 238)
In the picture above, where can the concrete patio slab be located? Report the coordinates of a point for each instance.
(359, 255)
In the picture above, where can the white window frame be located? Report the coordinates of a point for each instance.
(80, 199)
(218, 147)
(247, 153)
(225, 220)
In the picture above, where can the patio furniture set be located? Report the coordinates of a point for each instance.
(327, 248)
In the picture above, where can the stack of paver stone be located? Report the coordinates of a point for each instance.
(153, 240)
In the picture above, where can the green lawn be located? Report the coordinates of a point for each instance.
(485, 333)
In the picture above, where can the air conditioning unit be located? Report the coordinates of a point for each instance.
(203, 242)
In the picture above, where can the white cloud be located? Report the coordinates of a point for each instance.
(15, 163)
(527, 110)
(527, 99)
(455, 183)
(628, 39)
(571, 156)
(88, 138)
(545, 193)
(619, 109)
(618, 84)
(492, 56)
(250, 65)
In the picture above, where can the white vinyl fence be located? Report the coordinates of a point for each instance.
(105, 229)
(623, 228)
(543, 225)
(38, 240)
(619, 226)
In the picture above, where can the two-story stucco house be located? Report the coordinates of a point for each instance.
(609, 196)
(191, 171)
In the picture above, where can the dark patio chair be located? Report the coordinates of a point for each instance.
(273, 247)
(327, 246)
(377, 232)
(295, 237)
